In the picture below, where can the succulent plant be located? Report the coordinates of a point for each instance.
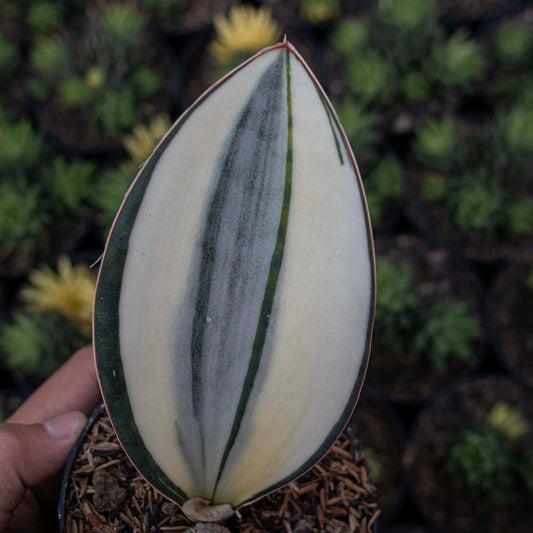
(369, 77)
(36, 344)
(435, 330)
(69, 187)
(405, 29)
(383, 187)
(439, 144)
(351, 37)
(478, 207)
(22, 221)
(143, 139)
(397, 303)
(458, 63)
(513, 45)
(203, 270)
(515, 131)
(21, 147)
(106, 73)
(490, 459)
(361, 127)
(245, 31)
(317, 11)
(448, 331)
(109, 193)
(69, 292)
(415, 87)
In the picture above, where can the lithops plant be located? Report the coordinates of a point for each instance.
(235, 300)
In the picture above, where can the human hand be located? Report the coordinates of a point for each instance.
(35, 443)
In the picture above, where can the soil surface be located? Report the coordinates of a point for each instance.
(439, 497)
(439, 275)
(106, 494)
(511, 315)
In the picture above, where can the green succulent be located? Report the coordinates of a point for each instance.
(22, 220)
(519, 217)
(362, 130)
(447, 333)
(115, 112)
(491, 464)
(415, 87)
(44, 17)
(397, 301)
(438, 144)
(109, 194)
(513, 45)
(405, 29)
(69, 187)
(383, 187)
(369, 78)
(121, 25)
(405, 15)
(9, 56)
(36, 343)
(478, 207)
(458, 63)
(21, 147)
(437, 331)
(515, 131)
(317, 11)
(351, 37)
(105, 74)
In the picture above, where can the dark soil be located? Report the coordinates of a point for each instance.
(380, 433)
(440, 498)
(511, 315)
(106, 494)
(439, 275)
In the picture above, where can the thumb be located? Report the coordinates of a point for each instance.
(30, 454)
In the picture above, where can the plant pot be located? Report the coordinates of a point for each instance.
(382, 437)
(438, 275)
(444, 502)
(510, 317)
(101, 490)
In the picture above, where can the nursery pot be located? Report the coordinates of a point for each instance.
(509, 317)
(438, 276)
(381, 433)
(444, 502)
(101, 487)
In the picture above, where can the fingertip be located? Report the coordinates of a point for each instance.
(66, 426)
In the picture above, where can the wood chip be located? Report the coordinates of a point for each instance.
(335, 496)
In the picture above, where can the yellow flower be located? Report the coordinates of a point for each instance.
(142, 141)
(69, 292)
(507, 420)
(246, 30)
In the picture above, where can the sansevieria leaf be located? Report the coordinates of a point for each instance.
(236, 296)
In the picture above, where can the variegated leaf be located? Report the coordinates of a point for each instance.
(236, 296)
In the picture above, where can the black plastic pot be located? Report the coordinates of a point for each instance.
(443, 504)
(62, 507)
(509, 318)
(387, 440)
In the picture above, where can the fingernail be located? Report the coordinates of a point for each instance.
(66, 425)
